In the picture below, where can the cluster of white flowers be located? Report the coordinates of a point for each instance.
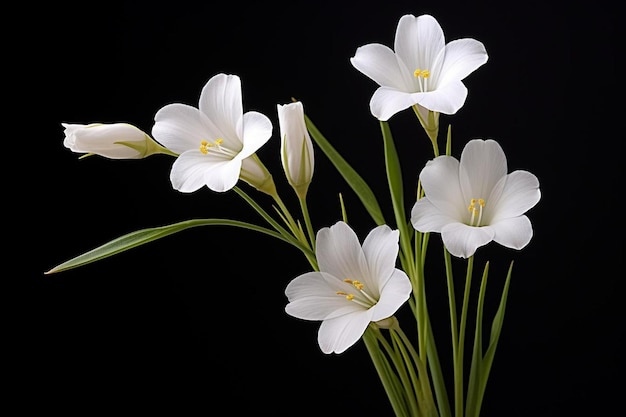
(470, 201)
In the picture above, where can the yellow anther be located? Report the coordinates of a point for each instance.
(341, 293)
(421, 73)
(358, 285)
(348, 280)
(205, 145)
(349, 297)
(476, 208)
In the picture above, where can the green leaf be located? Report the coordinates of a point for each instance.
(496, 329)
(141, 237)
(360, 187)
(396, 188)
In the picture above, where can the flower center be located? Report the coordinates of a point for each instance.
(215, 146)
(422, 76)
(362, 298)
(476, 209)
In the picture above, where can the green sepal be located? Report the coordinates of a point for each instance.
(147, 148)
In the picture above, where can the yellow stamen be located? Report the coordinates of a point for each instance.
(349, 297)
(205, 145)
(422, 75)
(477, 212)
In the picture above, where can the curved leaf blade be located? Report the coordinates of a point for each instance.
(143, 236)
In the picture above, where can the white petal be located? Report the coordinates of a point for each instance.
(425, 217)
(514, 233)
(395, 293)
(482, 165)
(379, 63)
(220, 100)
(188, 171)
(418, 41)
(386, 102)
(338, 334)
(462, 240)
(339, 252)
(462, 57)
(257, 129)
(180, 127)
(447, 99)
(521, 193)
(381, 252)
(440, 179)
(313, 296)
(224, 175)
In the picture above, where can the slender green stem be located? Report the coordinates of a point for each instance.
(428, 399)
(477, 352)
(410, 380)
(453, 327)
(388, 378)
(307, 221)
(295, 232)
(439, 384)
(458, 368)
(290, 221)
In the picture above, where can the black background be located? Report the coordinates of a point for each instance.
(196, 321)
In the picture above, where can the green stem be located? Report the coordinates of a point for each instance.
(424, 380)
(307, 221)
(458, 368)
(309, 254)
(388, 378)
(410, 381)
(439, 385)
(477, 352)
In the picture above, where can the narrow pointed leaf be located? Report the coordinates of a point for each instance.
(359, 186)
(141, 237)
(496, 328)
(396, 188)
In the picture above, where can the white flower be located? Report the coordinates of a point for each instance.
(475, 201)
(296, 149)
(423, 70)
(355, 285)
(114, 140)
(214, 138)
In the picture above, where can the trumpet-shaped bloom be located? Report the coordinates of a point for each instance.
(423, 70)
(296, 149)
(113, 140)
(355, 285)
(475, 201)
(214, 139)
